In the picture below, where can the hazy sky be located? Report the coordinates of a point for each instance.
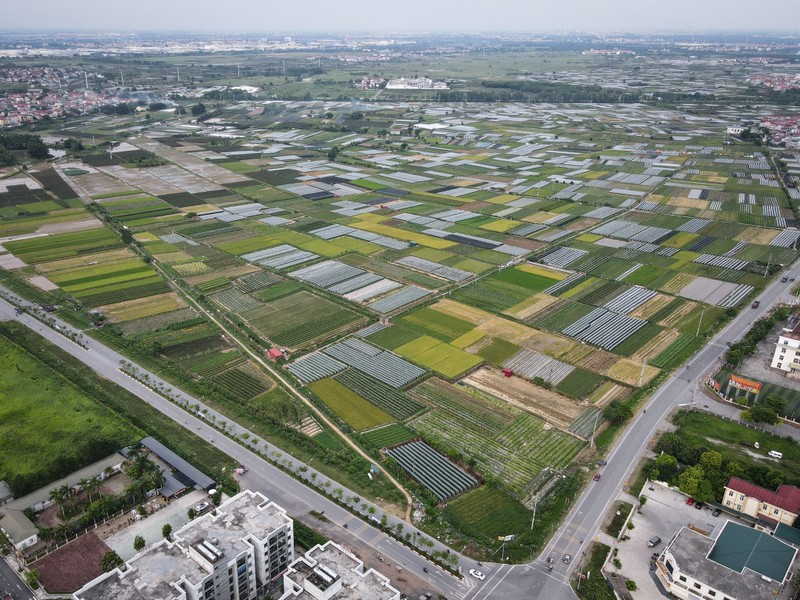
(401, 15)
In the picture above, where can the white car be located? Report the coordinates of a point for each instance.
(201, 507)
(477, 574)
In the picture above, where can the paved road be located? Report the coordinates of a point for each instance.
(502, 581)
(10, 583)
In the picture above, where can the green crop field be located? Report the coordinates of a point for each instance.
(437, 324)
(506, 442)
(530, 281)
(488, 513)
(389, 435)
(396, 403)
(312, 318)
(48, 427)
(349, 406)
(439, 356)
(53, 247)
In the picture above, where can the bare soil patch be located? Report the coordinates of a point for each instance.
(549, 405)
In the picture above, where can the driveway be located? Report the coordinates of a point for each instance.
(664, 514)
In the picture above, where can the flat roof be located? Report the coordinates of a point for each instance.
(739, 547)
(690, 551)
(152, 575)
(357, 584)
(246, 514)
(194, 476)
(155, 573)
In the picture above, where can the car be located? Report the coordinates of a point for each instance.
(791, 278)
(566, 559)
(201, 507)
(596, 477)
(784, 279)
(690, 501)
(654, 541)
(755, 304)
(601, 463)
(698, 505)
(716, 512)
(477, 574)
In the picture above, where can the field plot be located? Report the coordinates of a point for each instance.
(488, 513)
(349, 406)
(432, 470)
(312, 319)
(527, 396)
(139, 308)
(438, 356)
(388, 435)
(396, 403)
(506, 442)
(48, 427)
(380, 364)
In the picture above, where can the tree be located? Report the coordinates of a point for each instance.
(192, 513)
(38, 149)
(32, 578)
(166, 530)
(689, 480)
(357, 116)
(198, 109)
(333, 153)
(618, 412)
(110, 561)
(761, 414)
(775, 402)
(58, 498)
(138, 543)
(667, 466)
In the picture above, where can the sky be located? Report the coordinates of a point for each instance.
(402, 15)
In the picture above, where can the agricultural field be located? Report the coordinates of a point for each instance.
(49, 427)
(349, 406)
(405, 274)
(312, 319)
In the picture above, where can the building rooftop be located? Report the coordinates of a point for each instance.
(191, 475)
(246, 514)
(790, 535)
(740, 548)
(330, 566)
(43, 493)
(787, 497)
(16, 524)
(151, 575)
(742, 562)
(155, 573)
(793, 333)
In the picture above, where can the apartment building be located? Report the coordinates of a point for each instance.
(781, 506)
(233, 553)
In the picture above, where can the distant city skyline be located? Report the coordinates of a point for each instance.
(407, 15)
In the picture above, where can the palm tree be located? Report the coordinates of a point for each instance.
(58, 498)
(67, 492)
(83, 485)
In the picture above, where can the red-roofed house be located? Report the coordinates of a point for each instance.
(781, 506)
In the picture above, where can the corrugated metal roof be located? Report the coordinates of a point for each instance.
(176, 462)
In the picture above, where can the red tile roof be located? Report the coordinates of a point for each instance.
(787, 497)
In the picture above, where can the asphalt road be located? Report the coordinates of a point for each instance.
(533, 580)
(10, 583)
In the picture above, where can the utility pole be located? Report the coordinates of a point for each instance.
(535, 501)
(697, 334)
(769, 262)
(596, 418)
